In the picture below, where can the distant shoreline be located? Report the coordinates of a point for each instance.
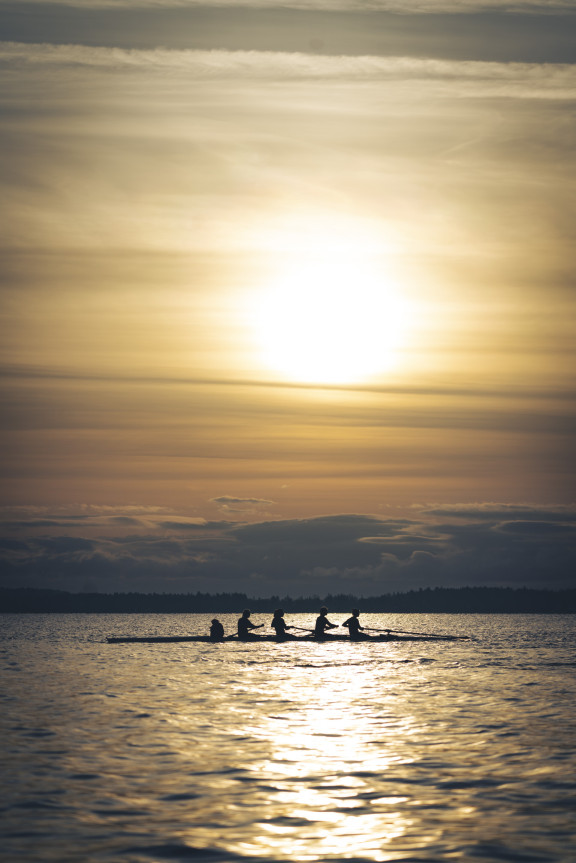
(437, 600)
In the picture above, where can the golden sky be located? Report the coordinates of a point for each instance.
(263, 263)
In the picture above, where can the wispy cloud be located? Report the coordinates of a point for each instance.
(228, 504)
(406, 7)
(30, 372)
(495, 512)
(470, 78)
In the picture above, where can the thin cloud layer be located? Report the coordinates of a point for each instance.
(228, 504)
(466, 78)
(488, 33)
(400, 6)
(501, 512)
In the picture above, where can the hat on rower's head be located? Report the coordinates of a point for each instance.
(279, 612)
(323, 610)
(214, 620)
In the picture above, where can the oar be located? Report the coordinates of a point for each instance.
(235, 634)
(409, 632)
(302, 629)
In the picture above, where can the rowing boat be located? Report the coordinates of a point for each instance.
(165, 639)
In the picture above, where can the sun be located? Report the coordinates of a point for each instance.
(333, 317)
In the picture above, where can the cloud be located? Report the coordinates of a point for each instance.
(495, 512)
(62, 546)
(190, 525)
(466, 78)
(29, 372)
(490, 30)
(534, 529)
(95, 518)
(399, 6)
(226, 500)
(353, 553)
(228, 504)
(323, 530)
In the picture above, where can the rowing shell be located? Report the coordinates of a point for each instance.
(163, 639)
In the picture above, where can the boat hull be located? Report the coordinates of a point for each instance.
(205, 639)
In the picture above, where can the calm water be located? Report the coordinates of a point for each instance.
(437, 751)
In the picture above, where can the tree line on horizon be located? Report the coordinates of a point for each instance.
(434, 600)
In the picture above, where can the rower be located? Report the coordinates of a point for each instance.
(354, 627)
(322, 624)
(216, 630)
(245, 625)
(280, 626)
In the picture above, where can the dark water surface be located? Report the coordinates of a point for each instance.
(440, 751)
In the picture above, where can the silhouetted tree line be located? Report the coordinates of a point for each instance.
(440, 600)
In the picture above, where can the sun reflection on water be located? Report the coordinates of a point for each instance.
(327, 755)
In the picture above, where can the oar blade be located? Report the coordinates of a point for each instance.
(422, 634)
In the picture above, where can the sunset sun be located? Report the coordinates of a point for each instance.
(331, 318)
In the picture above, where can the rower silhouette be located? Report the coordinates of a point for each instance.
(322, 624)
(280, 626)
(216, 630)
(354, 627)
(245, 626)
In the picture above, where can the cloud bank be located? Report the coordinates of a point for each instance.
(456, 546)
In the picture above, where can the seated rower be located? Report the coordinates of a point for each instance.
(216, 630)
(280, 626)
(354, 627)
(245, 625)
(322, 624)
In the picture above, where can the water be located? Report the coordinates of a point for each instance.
(144, 753)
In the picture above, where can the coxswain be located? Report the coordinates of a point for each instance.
(280, 626)
(322, 624)
(245, 625)
(216, 630)
(354, 627)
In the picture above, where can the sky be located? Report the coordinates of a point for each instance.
(287, 295)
